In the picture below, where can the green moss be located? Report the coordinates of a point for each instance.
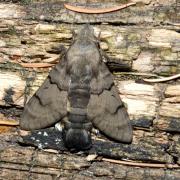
(173, 69)
(11, 66)
(133, 37)
(11, 30)
(26, 2)
(160, 16)
(110, 41)
(168, 55)
(133, 51)
(13, 41)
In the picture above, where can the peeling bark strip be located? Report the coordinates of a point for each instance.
(96, 10)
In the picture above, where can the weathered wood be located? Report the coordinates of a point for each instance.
(165, 12)
(16, 162)
(147, 50)
(145, 36)
(172, 90)
(169, 110)
(11, 89)
(142, 100)
(139, 150)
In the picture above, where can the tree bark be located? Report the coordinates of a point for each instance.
(143, 39)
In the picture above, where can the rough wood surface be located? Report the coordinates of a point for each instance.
(154, 12)
(145, 36)
(22, 163)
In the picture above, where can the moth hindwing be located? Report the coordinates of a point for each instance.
(79, 91)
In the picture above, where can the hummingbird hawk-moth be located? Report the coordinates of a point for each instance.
(79, 92)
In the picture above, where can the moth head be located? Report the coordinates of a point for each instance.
(86, 32)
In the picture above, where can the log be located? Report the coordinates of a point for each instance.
(139, 150)
(142, 39)
(16, 162)
(11, 89)
(139, 48)
(164, 12)
(147, 49)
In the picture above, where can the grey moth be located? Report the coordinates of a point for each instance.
(79, 92)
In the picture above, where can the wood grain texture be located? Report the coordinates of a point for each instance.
(144, 36)
(51, 165)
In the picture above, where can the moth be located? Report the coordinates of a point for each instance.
(80, 93)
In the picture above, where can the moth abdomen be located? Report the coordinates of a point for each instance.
(77, 132)
(69, 125)
(77, 127)
(78, 139)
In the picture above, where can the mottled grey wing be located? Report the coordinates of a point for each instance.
(107, 112)
(46, 107)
